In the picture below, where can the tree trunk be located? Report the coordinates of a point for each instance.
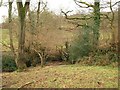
(21, 44)
(112, 25)
(96, 26)
(118, 31)
(10, 27)
(10, 30)
(38, 12)
(21, 41)
(32, 28)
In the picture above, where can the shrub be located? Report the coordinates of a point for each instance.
(81, 46)
(8, 63)
(110, 51)
(98, 59)
(113, 57)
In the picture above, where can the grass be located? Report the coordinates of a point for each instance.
(63, 76)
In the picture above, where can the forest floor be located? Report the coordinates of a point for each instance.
(62, 76)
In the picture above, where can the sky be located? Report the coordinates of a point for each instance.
(55, 6)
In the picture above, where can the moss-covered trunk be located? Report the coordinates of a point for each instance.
(96, 25)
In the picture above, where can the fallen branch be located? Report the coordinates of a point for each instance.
(26, 84)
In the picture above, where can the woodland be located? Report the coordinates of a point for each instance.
(42, 49)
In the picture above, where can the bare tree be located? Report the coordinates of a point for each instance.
(10, 28)
(111, 20)
(111, 24)
(40, 9)
(34, 24)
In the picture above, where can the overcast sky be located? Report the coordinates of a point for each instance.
(55, 6)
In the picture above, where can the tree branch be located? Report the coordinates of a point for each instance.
(84, 3)
(5, 45)
(115, 3)
(113, 15)
(75, 18)
(40, 56)
(111, 5)
(77, 24)
(10, 27)
(38, 12)
(106, 16)
(27, 3)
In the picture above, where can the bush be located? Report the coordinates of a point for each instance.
(81, 46)
(110, 51)
(8, 63)
(98, 59)
(113, 57)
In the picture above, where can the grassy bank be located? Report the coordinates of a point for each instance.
(63, 76)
